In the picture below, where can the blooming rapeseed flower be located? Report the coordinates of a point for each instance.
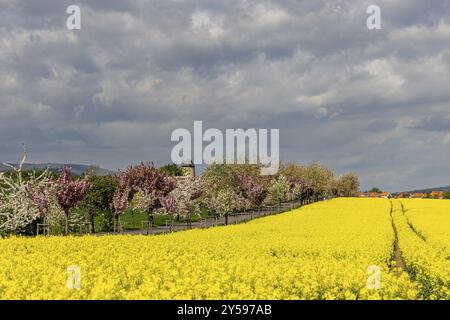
(320, 251)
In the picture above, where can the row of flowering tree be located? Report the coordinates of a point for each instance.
(28, 199)
(144, 187)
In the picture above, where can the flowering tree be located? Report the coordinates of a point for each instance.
(70, 192)
(169, 205)
(299, 189)
(143, 186)
(279, 189)
(251, 190)
(41, 197)
(313, 181)
(321, 180)
(184, 200)
(24, 198)
(225, 202)
(121, 198)
(144, 199)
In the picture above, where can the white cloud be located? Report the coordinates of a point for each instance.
(201, 21)
(263, 15)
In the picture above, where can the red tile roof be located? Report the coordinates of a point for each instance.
(437, 194)
(418, 195)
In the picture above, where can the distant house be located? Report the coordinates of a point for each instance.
(386, 195)
(437, 194)
(403, 195)
(375, 195)
(418, 195)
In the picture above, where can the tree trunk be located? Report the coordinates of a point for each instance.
(91, 220)
(150, 217)
(34, 227)
(66, 212)
(150, 220)
(226, 219)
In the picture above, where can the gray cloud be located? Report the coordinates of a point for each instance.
(111, 93)
(433, 123)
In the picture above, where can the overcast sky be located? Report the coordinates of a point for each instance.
(376, 102)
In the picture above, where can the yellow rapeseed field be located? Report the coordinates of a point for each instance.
(431, 220)
(328, 250)
(424, 237)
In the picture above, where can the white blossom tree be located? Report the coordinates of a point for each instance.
(279, 189)
(23, 198)
(225, 202)
(184, 200)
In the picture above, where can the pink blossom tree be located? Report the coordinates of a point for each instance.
(251, 190)
(299, 190)
(70, 192)
(41, 197)
(144, 186)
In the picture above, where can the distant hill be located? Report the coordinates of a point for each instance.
(445, 189)
(77, 169)
(429, 190)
